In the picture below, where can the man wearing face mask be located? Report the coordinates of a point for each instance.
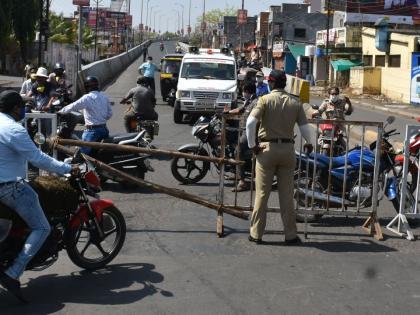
(41, 90)
(335, 107)
(262, 88)
(148, 70)
(250, 102)
(16, 148)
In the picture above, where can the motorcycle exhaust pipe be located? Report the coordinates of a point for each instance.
(333, 200)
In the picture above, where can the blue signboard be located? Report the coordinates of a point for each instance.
(415, 79)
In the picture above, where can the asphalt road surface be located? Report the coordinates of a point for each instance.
(173, 262)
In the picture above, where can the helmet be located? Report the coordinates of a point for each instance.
(91, 83)
(59, 68)
(242, 55)
(141, 80)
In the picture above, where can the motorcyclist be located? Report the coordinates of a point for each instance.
(41, 90)
(162, 46)
(335, 107)
(262, 88)
(27, 85)
(16, 148)
(96, 108)
(242, 62)
(144, 103)
(251, 99)
(178, 49)
(58, 77)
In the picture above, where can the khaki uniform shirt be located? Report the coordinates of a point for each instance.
(278, 112)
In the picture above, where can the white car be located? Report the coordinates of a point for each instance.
(207, 83)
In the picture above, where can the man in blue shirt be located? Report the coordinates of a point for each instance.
(148, 70)
(262, 88)
(16, 148)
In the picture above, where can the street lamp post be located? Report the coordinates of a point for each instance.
(150, 17)
(182, 17)
(160, 22)
(147, 13)
(189, 21)
(154, 21)
(203, 23)
(96, 26)
(141, 23)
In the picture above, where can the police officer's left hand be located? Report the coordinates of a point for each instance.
(257, 149)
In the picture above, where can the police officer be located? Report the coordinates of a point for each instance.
(277, 114)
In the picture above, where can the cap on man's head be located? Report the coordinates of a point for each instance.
(42, 72)
(149, 58)
(260, 74)
(277, 76)
(9, 99)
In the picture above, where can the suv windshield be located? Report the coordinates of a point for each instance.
(208, 70)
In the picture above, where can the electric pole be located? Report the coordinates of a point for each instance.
(141, 23)
(327, 46)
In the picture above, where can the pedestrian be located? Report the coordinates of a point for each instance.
(148, 70)
(145, 53)
(144, 104)
(16, 148)
(244, 152)
(277, 113)
(262, 88)
(96, 108)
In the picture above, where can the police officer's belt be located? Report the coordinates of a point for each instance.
(278, 140)
(89, 127)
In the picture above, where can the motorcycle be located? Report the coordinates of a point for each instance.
(208, 132)
(330, 135)
(138, 125)
(90, 229)
(162, 47)
(354, 188)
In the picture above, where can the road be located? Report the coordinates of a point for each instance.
(173, 263)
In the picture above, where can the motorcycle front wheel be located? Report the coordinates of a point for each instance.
(87, 250)
(188, 171)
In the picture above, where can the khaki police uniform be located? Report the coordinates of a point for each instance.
(278, 112)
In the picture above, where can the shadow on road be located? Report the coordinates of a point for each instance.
(115, 285)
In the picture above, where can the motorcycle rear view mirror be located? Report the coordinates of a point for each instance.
(418, 119)
(39, 138)
(390, 119)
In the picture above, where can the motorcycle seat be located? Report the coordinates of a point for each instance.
(338, 161)
(120, 137)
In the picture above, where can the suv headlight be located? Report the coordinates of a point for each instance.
(185, 94)
(227, 96)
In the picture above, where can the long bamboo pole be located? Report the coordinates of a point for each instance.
(133, 149)
(159, 188)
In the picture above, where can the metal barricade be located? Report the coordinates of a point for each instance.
(407, 188)
(349, 185)
(44, 123)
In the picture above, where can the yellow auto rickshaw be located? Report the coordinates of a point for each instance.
(169, 65)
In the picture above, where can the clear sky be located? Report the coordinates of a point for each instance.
(167, 9)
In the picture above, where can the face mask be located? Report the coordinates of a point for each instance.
(333, 98)
(246, 95)
(41, 89)
(260, 80)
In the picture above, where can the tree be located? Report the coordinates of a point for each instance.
(213, 17)
(5, 29)
(24, 19)
(64, 31)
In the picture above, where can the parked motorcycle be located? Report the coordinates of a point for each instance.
(92, 230)
(208, 132)
(354, 188)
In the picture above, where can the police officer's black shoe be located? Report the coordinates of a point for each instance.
(255, 240)
(12, 285)
(293, 242)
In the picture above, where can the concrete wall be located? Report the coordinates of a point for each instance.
(365, 80)
(395, 81)
(108, 69)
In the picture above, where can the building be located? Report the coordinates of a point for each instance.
(396, 59)
(291, 28)
(261, 35)
(236, 35)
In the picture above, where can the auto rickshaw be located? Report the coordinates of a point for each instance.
(169, 65)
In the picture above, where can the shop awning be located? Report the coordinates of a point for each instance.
(297, 50)
(345, 64)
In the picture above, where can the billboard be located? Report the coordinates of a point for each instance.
(83, 3)
(242, 17)
(415, 79)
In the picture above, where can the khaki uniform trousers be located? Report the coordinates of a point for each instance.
(275, 159)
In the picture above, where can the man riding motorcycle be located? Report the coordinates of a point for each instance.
(144, 104)
(41, 90)
(162, 46)
(16, 148)
(58, 77)
(96, 108)
(27, 85)
(335, 108)
(242, 62)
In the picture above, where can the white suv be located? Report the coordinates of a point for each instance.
(207, 82)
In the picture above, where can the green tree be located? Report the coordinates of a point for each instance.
(24, 19)
(64, 31)
(5, 28)
(213, 17)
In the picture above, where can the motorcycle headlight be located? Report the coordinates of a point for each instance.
(227, 96)
(185, 94)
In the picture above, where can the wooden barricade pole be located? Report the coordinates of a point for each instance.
(159, 188)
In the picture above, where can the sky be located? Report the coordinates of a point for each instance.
(166, 10)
